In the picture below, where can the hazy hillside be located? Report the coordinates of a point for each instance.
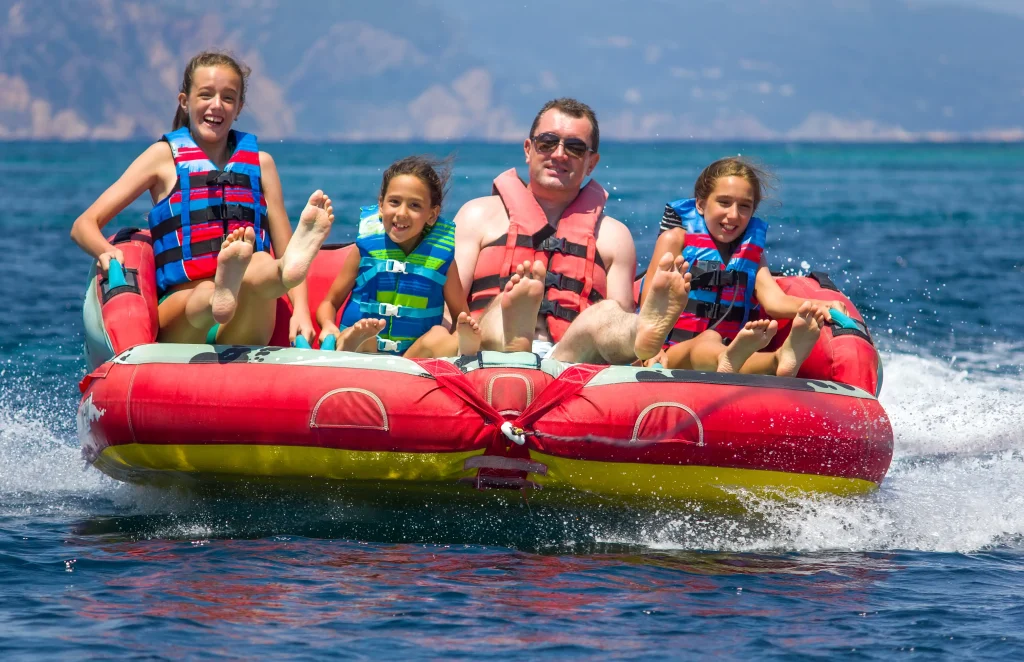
(453, 69)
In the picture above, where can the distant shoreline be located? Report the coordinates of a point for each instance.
(1017, 140)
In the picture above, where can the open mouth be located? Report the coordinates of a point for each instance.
(212, 120)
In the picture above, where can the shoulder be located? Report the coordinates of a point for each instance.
(477, 216)
(480, 209)
(614, 240)
(159, 153)
(267, 161)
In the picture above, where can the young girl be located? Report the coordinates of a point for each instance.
(719, 328)
(217, 210)
(402, 274)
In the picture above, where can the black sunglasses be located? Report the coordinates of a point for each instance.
(545, 143)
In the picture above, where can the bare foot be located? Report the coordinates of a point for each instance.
(520, 303)
(313, 228)
(802, 336)
(754, 335)
(469, 334)
(234, 256)
(355, 335)
(670, 290)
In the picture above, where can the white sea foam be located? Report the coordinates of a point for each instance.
(956, 482)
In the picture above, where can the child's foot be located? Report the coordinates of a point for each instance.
(754, 336)
(234, 256)
(469, 334)
(670, 289)
(802, 336)
(313, 228)
(520, 303)
(355, 335)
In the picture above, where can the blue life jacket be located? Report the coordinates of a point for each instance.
(189, 225)
(406, 290)
(721, 295)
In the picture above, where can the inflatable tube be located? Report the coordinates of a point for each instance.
(176, 413)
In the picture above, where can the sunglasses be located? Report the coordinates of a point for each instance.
(546, 143)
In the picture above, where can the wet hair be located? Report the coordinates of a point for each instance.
(732, 166)
(208, 59)
(434, 173)
(572, 108)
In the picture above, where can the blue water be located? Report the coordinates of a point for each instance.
(925, 239)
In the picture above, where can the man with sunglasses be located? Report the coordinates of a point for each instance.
(546, 270)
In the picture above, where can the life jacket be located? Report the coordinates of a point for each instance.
(576, 275)
(406, 290)
(215, 202)
(721, 295)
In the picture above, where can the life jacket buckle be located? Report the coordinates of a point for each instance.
(387, 345)
(220, 178)
(553, 245)
(394, 267)
(388, 310)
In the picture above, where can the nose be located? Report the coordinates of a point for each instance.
(217, 102)
(559, 151)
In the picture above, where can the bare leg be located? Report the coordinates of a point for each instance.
(798, 345)
(670, 290)
(520, 303)
(232, 261)
(436, 342)
(313, 227)
(468, 331)
(755, 335)
(352, 337)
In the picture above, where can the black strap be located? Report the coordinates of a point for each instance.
(549, 245)
(557, 310)
(824, 280)
(480, 304)
(198, 248)
(679, 335)
(124, 235)
(222, 212)
(216, 178)
(555, 280)
(715, 311)
(706, 280)
(131, 285)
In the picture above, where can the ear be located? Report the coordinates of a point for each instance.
(594, 159)
(435, 213)
(526, 149)
(700, 204)
(183, 101)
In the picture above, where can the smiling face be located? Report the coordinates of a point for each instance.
(556, 173)
(406, 210)
(213, 103)
(727, 211)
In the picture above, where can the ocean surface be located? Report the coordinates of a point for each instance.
(927, 240)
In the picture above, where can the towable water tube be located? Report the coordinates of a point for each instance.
(176, 413)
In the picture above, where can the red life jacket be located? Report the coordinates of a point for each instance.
(576, 275)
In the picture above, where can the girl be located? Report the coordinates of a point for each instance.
(402, 274)
(217, 212)
(719, 328)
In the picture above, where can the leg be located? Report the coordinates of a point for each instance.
(802, 337)
(754, 336)
(605, 333)
(363, 330)
(520, 303)
(436, 342)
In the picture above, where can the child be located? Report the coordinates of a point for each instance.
(403, 272)
(719, 329)
(217, 210)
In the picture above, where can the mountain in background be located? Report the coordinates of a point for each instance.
(460, 69)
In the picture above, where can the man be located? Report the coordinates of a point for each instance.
(546, 269)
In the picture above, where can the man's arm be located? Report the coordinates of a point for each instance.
(615, 245)
(471, 225)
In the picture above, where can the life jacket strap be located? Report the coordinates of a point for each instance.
(549, 245)
(221, 212)
(718, 311)
(552, 279)
(393, 346)
(390, 310)
(374, 267)
(197, 249)
(555, 309)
